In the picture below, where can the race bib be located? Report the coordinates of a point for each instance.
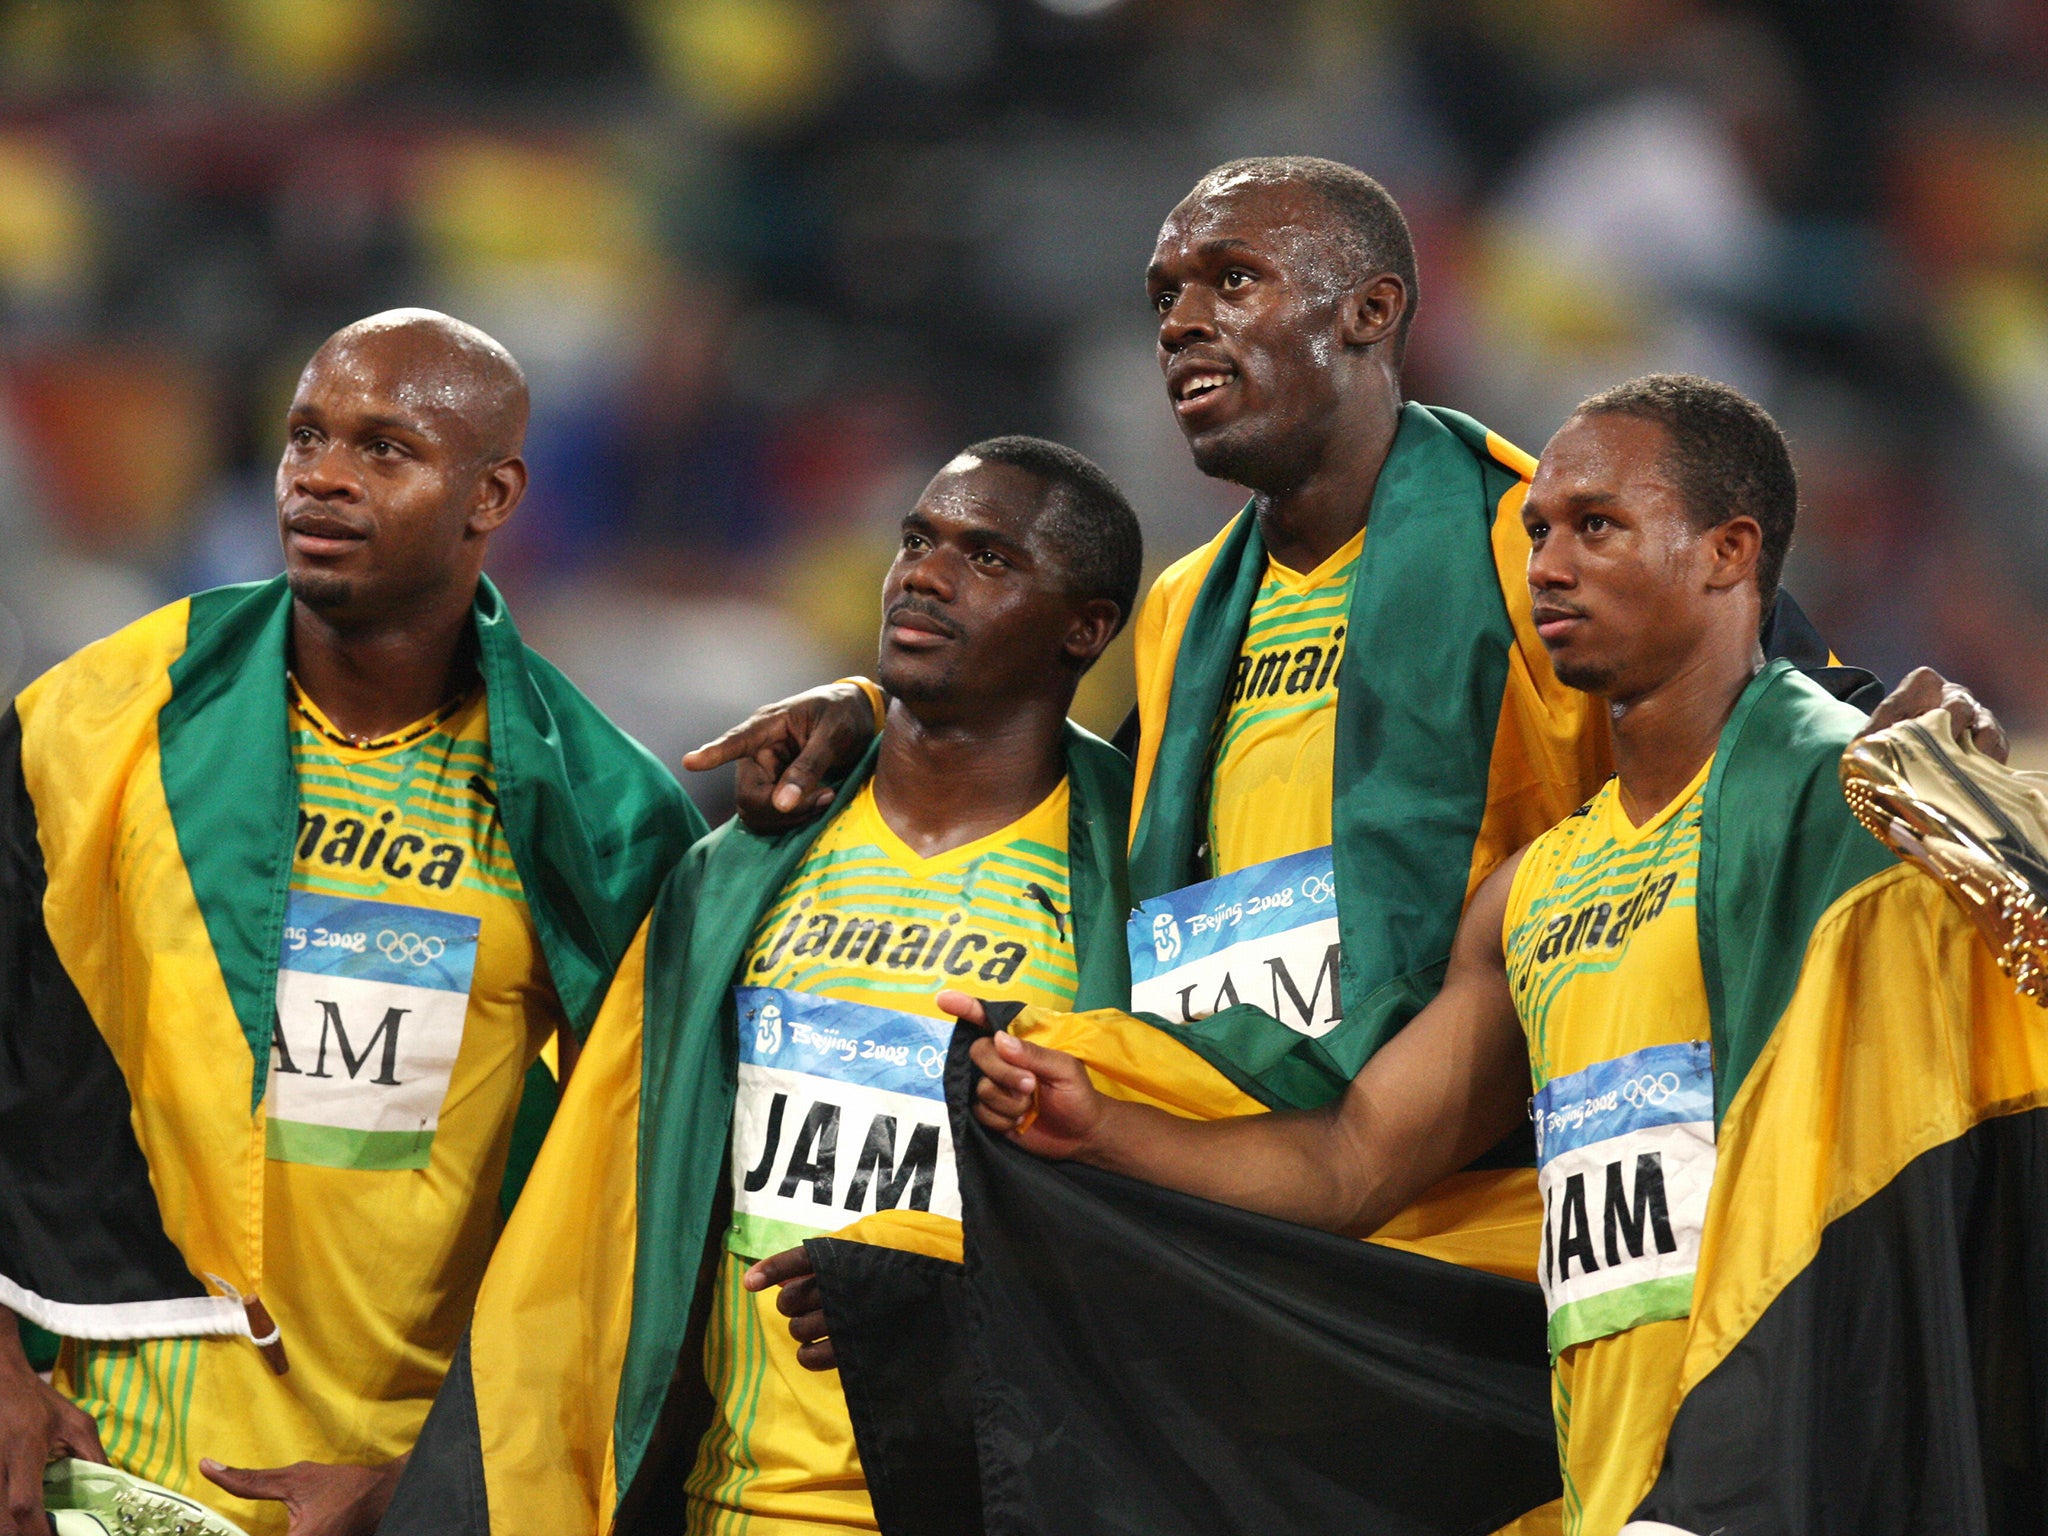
(1266, 935)
(371, 999)
(841, 1113)
(1625, 1162)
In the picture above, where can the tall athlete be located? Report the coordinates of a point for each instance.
(779, 1023)
(1343, 688)
(1743, 1024)
(297, 880)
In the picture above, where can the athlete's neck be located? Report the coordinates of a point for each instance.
(376, 679)
(1663, 737)
(1327, 501)
(943, 784)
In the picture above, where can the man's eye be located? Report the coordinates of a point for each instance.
(1597, 524)
(913, 542)
(302, 436)
(1162, 301)
(988, 559)
(1235, 278)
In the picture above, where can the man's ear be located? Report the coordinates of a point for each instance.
(1373, 311)
(1094, 625)
(1733, 549)
(498, 494)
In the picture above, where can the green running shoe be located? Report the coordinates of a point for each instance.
(87, 1499)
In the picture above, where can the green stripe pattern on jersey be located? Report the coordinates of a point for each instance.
(140, 1394)
(735, 1365)
(1595, 874)
(440, 790)
(1288, 663)
(854, 924)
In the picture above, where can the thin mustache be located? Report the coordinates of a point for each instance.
(946, 626)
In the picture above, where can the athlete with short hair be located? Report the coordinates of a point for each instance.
(777, 1029)
(1342, 688)
(297, 880)
(1707, 962)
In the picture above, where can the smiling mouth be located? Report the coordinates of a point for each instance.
(1197, 385)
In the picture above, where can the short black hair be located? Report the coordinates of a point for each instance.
(1727, 456)
(1375, 232)
(1089, 522)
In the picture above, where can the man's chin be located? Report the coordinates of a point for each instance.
(1585, 675)
(321, 591)
(916, 681)
(1231, 452)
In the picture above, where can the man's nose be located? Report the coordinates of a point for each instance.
(934, 575)
(1190, 317)
(1550, 566)
(326, 475)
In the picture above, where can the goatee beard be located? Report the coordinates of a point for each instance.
(1587, 678)
(321, 592)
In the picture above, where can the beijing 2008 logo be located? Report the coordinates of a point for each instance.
(768, 1029)
(411, 948)
(1165, 937)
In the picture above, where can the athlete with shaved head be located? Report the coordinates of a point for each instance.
(297, 882)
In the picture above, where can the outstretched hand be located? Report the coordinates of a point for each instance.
(319, 1499)
(786, 750)
(1042, 1100)
(800, 1301)
(1925, 689)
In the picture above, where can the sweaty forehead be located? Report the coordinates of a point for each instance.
(1265, 213)
(1607, 455)
(421, 378)
(999, 497)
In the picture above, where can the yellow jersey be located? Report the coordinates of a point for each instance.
(1275, 751)
(412, 998)
(841, 1114)
(1602, 946)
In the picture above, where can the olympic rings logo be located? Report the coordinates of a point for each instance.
(1650, 1091)
(1319, 888)
(932, 1059)
(410, 948)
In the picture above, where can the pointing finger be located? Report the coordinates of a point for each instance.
(744, 739)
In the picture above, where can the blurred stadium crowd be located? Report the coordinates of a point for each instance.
(768, 262)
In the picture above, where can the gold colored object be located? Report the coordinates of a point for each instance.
(1977, 826)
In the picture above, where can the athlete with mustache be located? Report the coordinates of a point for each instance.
(770, 1067)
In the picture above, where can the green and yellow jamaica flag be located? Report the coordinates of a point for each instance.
(1455, 746)
(1866, 1350)
(148, 806)
(578, 1399)
(1869, 1334)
